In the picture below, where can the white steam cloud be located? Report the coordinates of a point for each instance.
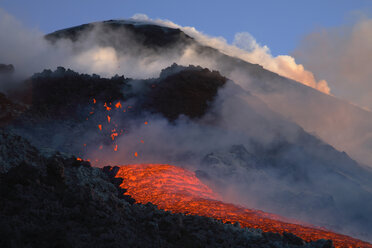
(246, 48)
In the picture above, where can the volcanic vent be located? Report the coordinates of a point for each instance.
(178, 190)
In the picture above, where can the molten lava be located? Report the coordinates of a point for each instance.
(107, 107)
(118, 105)
(178, 190)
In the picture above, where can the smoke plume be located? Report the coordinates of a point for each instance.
(343, 56)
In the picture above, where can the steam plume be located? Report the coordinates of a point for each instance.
(246, 48)
(343, 56)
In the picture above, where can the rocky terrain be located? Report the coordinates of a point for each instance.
(52, 109)
(53, 200)
(64, 94)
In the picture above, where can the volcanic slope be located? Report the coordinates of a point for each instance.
(49, 199)
(316, 112)
(216, 142)
(298, 167)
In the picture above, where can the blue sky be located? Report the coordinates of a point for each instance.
(278, 24)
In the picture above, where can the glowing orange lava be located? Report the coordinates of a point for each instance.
(178, 190)
(118, 105)
(113, 135)
(107, 107)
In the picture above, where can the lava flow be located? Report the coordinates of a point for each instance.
(178, 190)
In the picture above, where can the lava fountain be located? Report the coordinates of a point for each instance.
(178, 190)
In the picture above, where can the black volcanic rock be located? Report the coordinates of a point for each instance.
(57, 201)
(14, 150)
(188, 91)
(64, 93)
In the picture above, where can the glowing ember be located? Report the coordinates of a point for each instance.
(178, 190)
(111, 123)
(113, 135)
(107, 107)
(118, 105)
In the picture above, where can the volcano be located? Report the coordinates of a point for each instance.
(238, 133)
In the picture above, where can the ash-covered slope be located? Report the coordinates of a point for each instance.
(341, 124)
(52, 200)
